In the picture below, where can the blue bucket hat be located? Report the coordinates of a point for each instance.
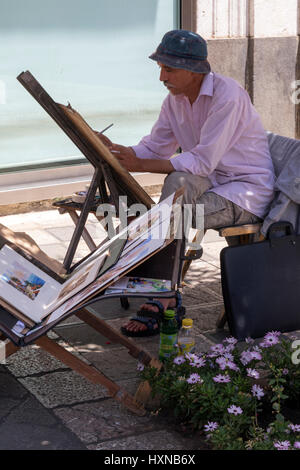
(182, 49)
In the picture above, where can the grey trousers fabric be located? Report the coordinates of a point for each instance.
(218, 211)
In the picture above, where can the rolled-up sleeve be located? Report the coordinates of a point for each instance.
(161, 143)
(220, 131)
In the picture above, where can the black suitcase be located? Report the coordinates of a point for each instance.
(261, 284)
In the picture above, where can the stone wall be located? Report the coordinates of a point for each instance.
(257, 43)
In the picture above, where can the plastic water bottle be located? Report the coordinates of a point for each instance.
(168, 335)
(186, 337)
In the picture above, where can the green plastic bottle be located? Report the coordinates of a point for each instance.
(168, 335)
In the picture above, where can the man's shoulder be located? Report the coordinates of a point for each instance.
(227, 88)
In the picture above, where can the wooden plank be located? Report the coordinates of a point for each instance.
(239, 230)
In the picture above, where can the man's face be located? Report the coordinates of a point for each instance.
(177, 81)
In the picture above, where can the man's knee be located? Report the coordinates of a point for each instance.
(194, 185)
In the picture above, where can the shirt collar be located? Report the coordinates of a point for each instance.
(207, 87)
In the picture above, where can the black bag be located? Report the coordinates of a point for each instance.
(261, 284)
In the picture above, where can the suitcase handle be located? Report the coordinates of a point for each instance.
(281, 233)
(276, 229)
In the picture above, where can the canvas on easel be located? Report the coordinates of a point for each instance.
(108, 172)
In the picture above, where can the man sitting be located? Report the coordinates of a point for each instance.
(224, 162)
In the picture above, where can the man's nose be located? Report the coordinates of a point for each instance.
(163, 76)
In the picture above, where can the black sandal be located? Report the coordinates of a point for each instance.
(144, 315)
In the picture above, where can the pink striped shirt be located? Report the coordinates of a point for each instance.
(221, 137)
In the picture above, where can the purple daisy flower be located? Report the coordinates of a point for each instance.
(194, 378)
(252, 373)
(228, 356)
(222, 378)
(282, 445)
(140, 366)
(198, 362)
(271, 338)
(179, 360)
(231, 365)
(218, 349)
(285, 371)
(294, 427)
(246, 357)
(210, 426)
(256, 355)
(235, 410)
(230, 340)
(297, 445)
(249, 340)
(229, 347)
(257, 391)
(222, 362)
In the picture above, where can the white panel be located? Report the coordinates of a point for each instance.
(275, 18)
(221, 18)
(205, 18)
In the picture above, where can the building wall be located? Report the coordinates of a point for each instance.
(255, 42)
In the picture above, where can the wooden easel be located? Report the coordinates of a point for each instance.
(134, 403)
(108, 172)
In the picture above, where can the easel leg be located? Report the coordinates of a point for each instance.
(85, 234)
(91, 373)
(110, 333)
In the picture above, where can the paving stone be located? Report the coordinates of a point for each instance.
(62, 388)
(32, 360)
(42, 237)
(108, 309)
(84, 338)
(31, 411)
(193, 296)
(107, 419)
(6, 405)
(204, 316)
(158, 440)
(33, 437)
(10, 387)
(117, 364)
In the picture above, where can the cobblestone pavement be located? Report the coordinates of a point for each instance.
(45, 405)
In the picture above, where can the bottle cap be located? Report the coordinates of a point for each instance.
(169, 313)
(187, 322)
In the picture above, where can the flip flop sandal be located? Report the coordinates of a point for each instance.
(145, 315)
(179, 310)
(149, 322)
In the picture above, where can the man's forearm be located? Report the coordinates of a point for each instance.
(156, 166)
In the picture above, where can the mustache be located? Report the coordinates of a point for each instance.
(167, 84)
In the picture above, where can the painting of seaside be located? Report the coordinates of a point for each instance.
(22, 280)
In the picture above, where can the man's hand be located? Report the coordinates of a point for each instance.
(105, 140)
(127, 157)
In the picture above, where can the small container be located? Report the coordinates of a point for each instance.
(168, 336)
(186, 337)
